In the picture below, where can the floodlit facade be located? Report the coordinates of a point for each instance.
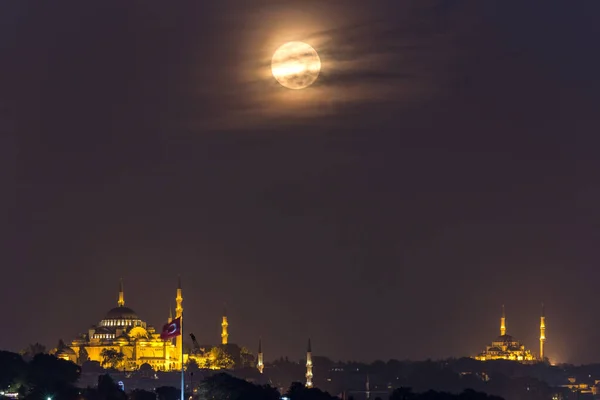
(124, 332)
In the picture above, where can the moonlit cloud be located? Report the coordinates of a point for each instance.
(367, 61)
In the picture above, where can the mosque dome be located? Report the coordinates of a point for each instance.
(121, 313)
(506, 339)
(65, 350)
(65, 353)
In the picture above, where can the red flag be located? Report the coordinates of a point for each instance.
(172, 329)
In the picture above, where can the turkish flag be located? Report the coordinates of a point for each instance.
(171, 330)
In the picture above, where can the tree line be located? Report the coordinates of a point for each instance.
(46, 377)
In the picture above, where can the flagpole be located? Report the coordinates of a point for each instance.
(182, 372)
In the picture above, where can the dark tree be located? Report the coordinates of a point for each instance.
(298, 391)
(83, 355)
(12, 369)
(167, 393)
(33, 349)
(402, 393)
(247, 359)
(48, 374)
(111, 358)
(222, 358)
(226, 387)
(108, 389)
(45, 369)
(192, 366)
(140, 394)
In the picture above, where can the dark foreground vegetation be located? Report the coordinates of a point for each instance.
(45, 377)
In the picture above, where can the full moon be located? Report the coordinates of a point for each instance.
(296, 65)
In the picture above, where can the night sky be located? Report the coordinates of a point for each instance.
(444, 163)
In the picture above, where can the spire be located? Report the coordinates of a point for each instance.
(543, 310)
(178, 299)
(542, 333)
(309, 364)
(503, 322)
(224, 325)
(170, 314)
(121, 301)
(179, 314)
(260, 364)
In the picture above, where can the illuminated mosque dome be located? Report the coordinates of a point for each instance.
(120, 317)
(65, 352)
(118, 321)
(121, 312)
(505, 339)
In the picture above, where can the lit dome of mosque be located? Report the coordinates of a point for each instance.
(121, 313)
(505, 339)
(119, 317)
(65, 351)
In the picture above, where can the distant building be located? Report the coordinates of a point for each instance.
(506, 347)
(582, 387)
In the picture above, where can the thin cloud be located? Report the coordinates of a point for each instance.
(361, 64)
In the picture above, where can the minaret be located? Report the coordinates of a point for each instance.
(178, 314)
(121, 301)
(503, 323)
(542, 333)
(260, 365)
(224, 325)
(170, 315)
(368, 387)
(309, 364)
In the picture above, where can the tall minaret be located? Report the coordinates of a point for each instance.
(170, 315)
(179, 314)
(503, 322)
(121, 301)
(368, 387)
(260, 364)
(542, 333)
(224, 325)
(309, 364)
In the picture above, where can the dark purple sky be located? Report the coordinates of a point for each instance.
(445, 162)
